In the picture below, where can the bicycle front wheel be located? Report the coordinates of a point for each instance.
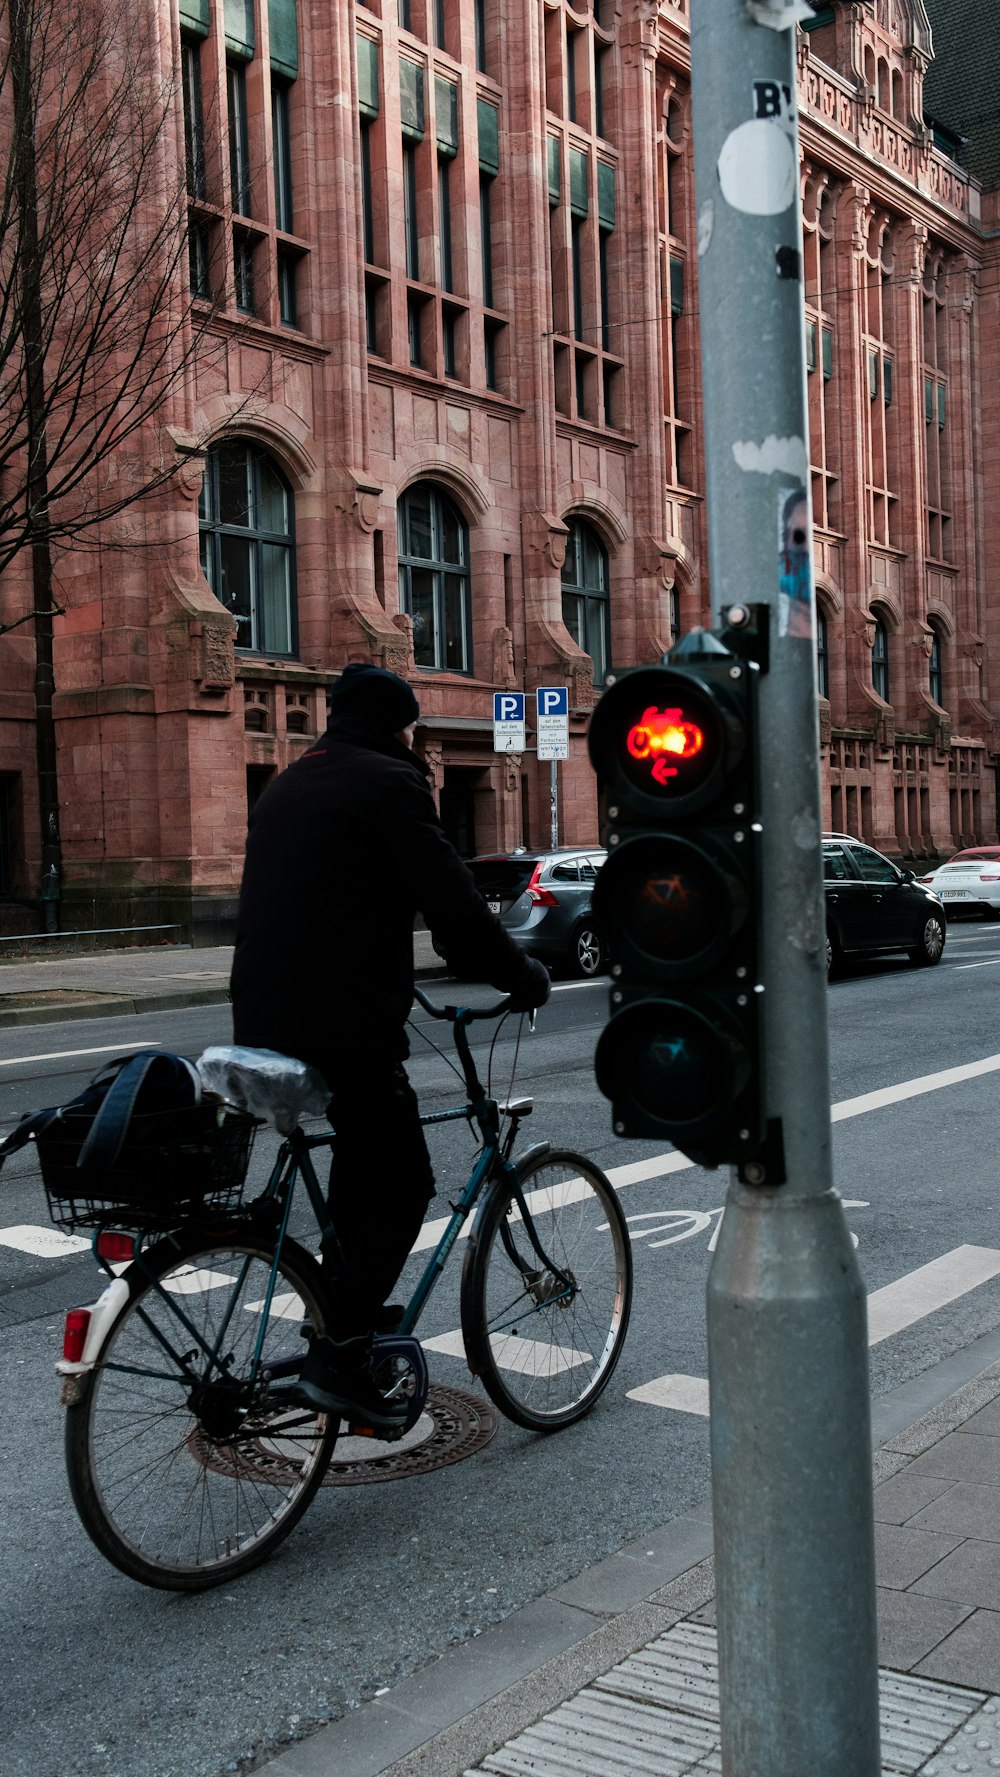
(545, 1333)
(185, 1467)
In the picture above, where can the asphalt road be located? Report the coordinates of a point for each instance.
(101, 1676)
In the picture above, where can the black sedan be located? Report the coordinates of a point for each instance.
(872, 907)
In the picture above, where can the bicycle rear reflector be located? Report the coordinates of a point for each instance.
(75, 1334)
(115, 1248)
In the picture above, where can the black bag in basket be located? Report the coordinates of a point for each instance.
(139, 1134)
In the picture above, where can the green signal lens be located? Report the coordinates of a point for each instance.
(666, 1061)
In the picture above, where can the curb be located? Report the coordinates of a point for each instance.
(114, 1006)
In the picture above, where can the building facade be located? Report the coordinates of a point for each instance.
(448, 418)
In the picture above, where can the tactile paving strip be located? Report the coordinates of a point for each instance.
(657, 1714)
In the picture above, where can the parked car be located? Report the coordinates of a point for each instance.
(543, 899)
(873, 907)
(969, 882)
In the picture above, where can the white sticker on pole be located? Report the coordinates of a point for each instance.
(758, 165)
(552, 714)
(508, 722)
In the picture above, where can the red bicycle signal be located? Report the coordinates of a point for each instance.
(663, 735)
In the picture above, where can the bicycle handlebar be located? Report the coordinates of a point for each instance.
(452, 1013)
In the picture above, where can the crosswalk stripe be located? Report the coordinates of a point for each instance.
(890, 1310)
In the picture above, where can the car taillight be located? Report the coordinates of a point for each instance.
(926, 880)
(542, 897)
(991, 878)
(75, 1334)
(115, 1247)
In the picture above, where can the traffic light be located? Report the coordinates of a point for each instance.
(675, 751)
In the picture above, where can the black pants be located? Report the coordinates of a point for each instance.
(381, 1182)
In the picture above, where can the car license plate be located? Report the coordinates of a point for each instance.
(494, 906)
(956, 894)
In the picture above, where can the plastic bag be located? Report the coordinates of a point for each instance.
(269, 1085)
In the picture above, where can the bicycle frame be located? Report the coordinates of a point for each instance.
(294, 1161)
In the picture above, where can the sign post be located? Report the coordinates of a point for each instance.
(787, 1349)
(552, 717)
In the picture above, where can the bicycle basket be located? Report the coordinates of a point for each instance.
(174, 1165)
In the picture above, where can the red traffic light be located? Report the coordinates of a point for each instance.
(664, 737)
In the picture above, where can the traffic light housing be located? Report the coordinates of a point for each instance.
(675, 749)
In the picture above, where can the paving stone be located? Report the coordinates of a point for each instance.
(909, 1626)
(986, 1421)
(969, 1575)
(897, 1500)
(962, 1457)
(965, 1510)
(902, 1554)
(969, 1655)
(974, 1749)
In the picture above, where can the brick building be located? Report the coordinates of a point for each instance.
(451, 422)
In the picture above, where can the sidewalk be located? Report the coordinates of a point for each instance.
(615, 1672)
(110, 983)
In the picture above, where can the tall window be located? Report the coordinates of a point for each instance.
(281, 150)
(673, 167)
(239, 137)
(821, 299)
(434, 583)
(936, 436)
(880, 660)
(880, 414)
(246, 517)
(822, 653)
(194, 117)
(585, 595)
(935, 670)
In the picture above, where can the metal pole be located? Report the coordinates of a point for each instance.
(788, 1371)
(554, 802)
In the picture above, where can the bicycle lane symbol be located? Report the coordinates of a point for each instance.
(669, 1226)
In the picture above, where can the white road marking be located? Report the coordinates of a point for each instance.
(45, 1243)
(66, 1054)
(890, 1310)
(190, 1280)
(684, 1394)
(568, 986)
(287, 1306)
(949, 1076)
(921, 1292)
(991, 964)
(523, 1357)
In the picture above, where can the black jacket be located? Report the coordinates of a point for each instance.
(344, 849)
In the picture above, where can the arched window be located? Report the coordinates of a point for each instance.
(822, 653)
(935, 669)
(880, 660)
(585, 595)
(434, 585)
(246, 517)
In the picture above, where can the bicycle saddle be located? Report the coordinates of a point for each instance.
(275, 1087)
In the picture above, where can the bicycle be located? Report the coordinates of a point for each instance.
(188, 1460)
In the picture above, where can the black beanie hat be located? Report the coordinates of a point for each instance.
(373, 698)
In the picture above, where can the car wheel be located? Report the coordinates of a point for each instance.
(586, 956)
(928, 951)
(832, 955)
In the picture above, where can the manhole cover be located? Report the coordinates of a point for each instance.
(453, 1425)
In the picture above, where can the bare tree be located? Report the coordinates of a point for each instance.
(97, 330)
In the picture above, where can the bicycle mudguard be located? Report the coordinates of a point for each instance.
(386, 1346)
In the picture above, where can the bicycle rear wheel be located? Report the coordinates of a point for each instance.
(545, 1346)
(185, 1467)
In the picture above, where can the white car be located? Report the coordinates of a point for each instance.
(969, 882)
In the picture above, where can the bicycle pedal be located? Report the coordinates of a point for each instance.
(383, 1437)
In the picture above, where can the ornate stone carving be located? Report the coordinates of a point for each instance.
(356, 498)
(503, 657)
(547, 536)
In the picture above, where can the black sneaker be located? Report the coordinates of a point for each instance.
(336, 1378)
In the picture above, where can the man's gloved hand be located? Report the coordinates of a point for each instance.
(534, 991)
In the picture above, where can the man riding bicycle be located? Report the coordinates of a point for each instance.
(343, 850)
